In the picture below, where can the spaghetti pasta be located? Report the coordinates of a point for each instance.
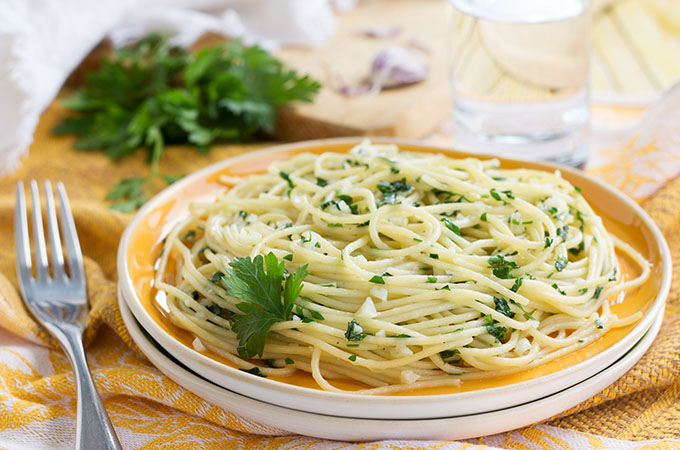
(423, 270)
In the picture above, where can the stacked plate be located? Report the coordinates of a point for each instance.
(513, 402)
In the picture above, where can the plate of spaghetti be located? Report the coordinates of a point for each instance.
(392, 280)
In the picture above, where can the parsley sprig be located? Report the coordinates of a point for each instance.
(154, 93)
(258, 282)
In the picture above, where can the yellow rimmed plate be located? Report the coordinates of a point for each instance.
(140, 248)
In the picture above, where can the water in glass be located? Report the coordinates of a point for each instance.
(519, 71)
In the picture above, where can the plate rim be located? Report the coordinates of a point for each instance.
(317, 400)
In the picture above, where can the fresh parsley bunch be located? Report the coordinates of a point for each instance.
(154, 94)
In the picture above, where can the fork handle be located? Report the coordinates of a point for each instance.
(93, 427)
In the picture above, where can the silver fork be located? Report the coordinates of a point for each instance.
(59, 301)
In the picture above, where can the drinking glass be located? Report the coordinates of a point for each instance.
(519, 76)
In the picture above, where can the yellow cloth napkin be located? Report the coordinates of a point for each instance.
(37, 401)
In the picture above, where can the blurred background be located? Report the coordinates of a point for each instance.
(634, 57)
(383, 67)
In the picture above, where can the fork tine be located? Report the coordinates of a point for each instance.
(68, 231)
(23, 247)
(53, 233)
(38, 234)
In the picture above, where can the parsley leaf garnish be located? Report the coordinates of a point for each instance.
(502, 306)
(497, 331)
(451, 226)
(454, 197)
(598, 291)
(395, 186)
(526, 314)
(310, 316)
(286, 177)
(390, 190)
(563, 232)
(613, 277)
(216, 277)
(255, 371)
(502, 267)
(345, 198)
(576, 250)
(561, 263)
(259, 282)
(446, 354)
(352, 334)
(516, 285)
(579, 217)
(557, 288)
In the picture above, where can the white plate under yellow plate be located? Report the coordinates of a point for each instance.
(353, 429)
(140, 248)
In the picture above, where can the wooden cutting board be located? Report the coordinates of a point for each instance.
(411, 111)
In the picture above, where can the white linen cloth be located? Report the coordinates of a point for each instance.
(42, 41)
